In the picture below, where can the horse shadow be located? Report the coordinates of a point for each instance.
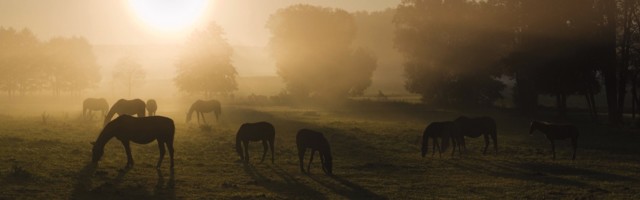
(165, 191)
(82, 188)
(290, 188)
(109, 189)
(350, 189)
(547, 173)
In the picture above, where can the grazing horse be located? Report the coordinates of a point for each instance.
(152, 107)
(443, 131)
(474, 127)
(202, 107)
(259, 131)
(557, 132)
(90, 104)
(141, 130)
(316, 142)
(126, 107)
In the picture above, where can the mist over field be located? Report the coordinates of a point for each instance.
(310, 99)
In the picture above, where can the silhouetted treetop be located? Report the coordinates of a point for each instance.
(314, 54)
(205, 65)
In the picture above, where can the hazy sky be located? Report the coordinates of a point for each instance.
(115, 22)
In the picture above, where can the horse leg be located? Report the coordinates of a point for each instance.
(453, 150)
(486, 143)
(313, 151)
(271, 145)
(203, 120)
(170, 147)
(127, 149)
(553, 149)
(574, 143)
(246, 150)
(301, 151)
(324, 169)
(494, 136)
(264, 150)
(162, 151)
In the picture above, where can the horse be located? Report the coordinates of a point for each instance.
(316, 142)
(557, 132)
(152, 107)
(259, 131)
(90, 104)
(126, 107)
(474, 127)
(443, 130)
(202, 107)
(141, 130)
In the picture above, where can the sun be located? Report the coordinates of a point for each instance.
(168, 15)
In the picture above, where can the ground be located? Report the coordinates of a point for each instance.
(376, 156)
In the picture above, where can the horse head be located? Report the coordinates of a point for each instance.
(533, 127)
(97, 152)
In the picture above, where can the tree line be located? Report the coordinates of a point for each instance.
(61, 64)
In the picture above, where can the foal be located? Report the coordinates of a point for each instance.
(557, 132)
(316, 142)
(260, 131)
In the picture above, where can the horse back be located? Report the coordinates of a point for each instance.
(256, 131)
(144, 129)
(306, 138)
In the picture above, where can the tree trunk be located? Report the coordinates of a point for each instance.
(609, 70)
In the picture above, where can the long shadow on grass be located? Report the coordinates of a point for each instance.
(547, 173)
(83, 183)
(168, 191)
(347, 188)
(291, 188)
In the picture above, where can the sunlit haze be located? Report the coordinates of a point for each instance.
(168, 15)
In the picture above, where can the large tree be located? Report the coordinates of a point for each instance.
(205, 65)
(314, 54)
(452, 49)
(71, 65)
(129, 73)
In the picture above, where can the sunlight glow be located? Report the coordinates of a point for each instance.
(168, 15)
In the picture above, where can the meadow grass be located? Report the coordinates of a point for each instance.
(376, 156)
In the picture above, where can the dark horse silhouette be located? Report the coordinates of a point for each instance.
(259, 131)
(141, 130)
(474, 127)
(201, 107)
(557, 132)
(91, 104)
(126, 107)
(152, 107)
(444, 131)
(316, 142)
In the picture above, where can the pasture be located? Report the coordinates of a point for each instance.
(376, 155)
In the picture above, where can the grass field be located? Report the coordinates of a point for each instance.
(376, 156)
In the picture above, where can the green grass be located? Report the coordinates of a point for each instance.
(376, 155)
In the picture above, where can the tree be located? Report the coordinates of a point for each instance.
(313, 50)
(205, 65)
(70, 65)
(555, 52)
(20, 61)
(452, 49)
(128, 72)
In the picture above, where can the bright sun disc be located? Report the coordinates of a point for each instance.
(168, 15)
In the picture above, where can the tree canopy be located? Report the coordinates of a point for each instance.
(60, 64)
(205, 66)
(314, 54)
(452, 49)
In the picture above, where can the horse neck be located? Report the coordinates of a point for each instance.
(191, 111)
(103, 138)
